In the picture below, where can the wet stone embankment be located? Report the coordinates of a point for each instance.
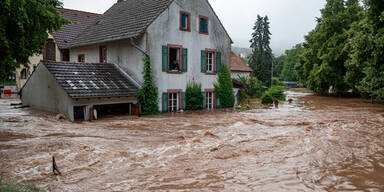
(312, 144)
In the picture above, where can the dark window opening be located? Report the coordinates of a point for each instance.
(113, 109)
(174, 59)
(81, 58)
(203, 23)
(103, 54)
(65, 53)
(50, 50)
(24, 74)
(185, 21)
(78, 113)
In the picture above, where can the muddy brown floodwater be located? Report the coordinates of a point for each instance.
(313, 144)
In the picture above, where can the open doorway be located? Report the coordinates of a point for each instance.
(79, 113)
(113, 109)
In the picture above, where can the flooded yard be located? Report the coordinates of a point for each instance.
(312, 144)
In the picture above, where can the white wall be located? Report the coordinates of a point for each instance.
(165, 30)
(236, 74)
(43, 92)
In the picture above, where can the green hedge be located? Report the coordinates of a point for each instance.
(194, 96)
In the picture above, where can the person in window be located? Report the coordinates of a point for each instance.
(175, 65)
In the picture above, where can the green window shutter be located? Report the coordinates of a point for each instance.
(185, 60)
(204, 101)
(218, 62)
(183, 23)
(165, 102)
(203, 61)
(165, 58)
(183, 99)
(218, 106)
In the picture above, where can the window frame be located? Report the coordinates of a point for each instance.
(47, 53)
(180, 47)
(188, 29)
(179, 99)
(212, 102)
(214, 52)
(79, 57)
(207, 19)
(101, 59)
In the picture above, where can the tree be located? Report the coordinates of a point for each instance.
(224, 89)
(278, 64)
(365, 65)
(261, 58)
(148, 93)
(291, 59)
(322, 65)
(23, 30)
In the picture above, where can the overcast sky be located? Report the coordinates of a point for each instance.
(290, 19)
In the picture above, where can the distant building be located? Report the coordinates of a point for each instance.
(54, 48)
(239, 67)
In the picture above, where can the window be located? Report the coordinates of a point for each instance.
(81, 58)
(50, 50)
(210, 99)
(103, 54)
(175, 59)
(24, 74)
(185, 21)
(65, 53)
(210, 62)
(173, 102)
(203, 25)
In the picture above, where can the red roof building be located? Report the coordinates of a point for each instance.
(239, 67)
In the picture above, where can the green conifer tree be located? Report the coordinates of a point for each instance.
(224, 89)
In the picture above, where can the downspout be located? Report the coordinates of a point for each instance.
(137, 47)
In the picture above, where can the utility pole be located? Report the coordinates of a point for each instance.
(272, 72)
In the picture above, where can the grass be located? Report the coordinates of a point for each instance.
(10, 187)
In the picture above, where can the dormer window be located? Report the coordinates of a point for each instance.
(185, 21)
(203, 25)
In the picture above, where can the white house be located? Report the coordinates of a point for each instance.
(184, 39)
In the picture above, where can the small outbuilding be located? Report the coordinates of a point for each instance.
(239, 67)
(81, 91)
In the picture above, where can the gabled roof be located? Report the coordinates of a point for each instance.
(69, 32)
(238, 64)
(88, 80)
(124, 20)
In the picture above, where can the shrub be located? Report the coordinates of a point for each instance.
(253, 87)
(194, 96)
(275, 93)
(277, 82)
(148, 94)
(224, 89)
(266, 99)
(244, 108)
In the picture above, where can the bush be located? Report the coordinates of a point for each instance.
(253, 87)
(244, 108)
(277, 82)
(224, 89)
(148, 94)
(266, 99)
(194, 96)
(275, 93)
